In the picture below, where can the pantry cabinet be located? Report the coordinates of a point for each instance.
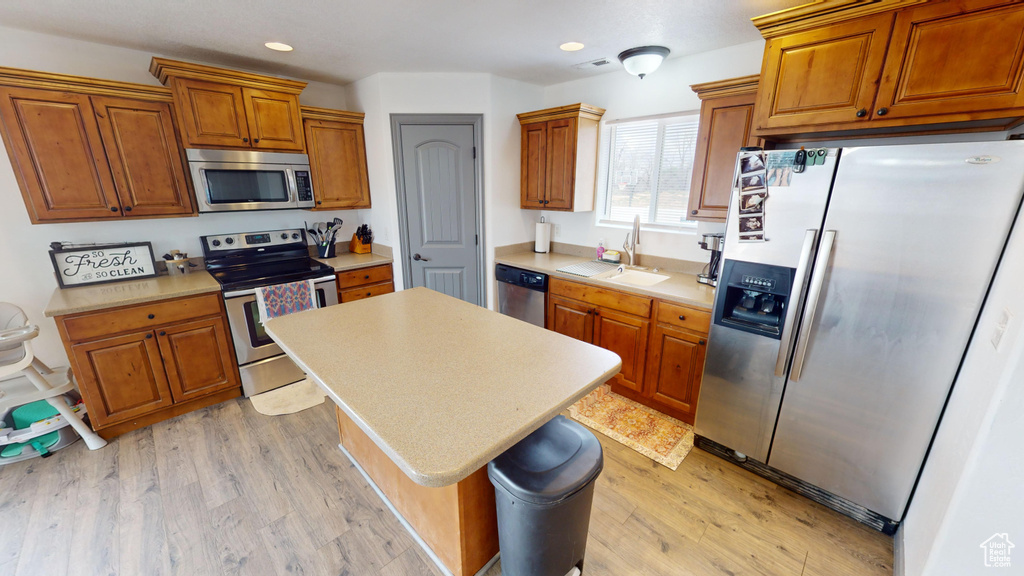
(137, 365)
(221, 108)
(558, 162)
(337, 158)
(726, 120)
(914, 67)
(86, 149)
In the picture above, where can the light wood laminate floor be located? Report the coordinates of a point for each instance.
(225, 490)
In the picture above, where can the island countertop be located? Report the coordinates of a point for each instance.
(440, 385)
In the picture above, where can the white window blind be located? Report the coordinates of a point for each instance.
(649, 165)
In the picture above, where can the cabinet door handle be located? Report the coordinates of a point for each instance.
(368, 294)
(151, 316)
(127, 208)
(245, 139)
(113, 208)
(148, 336)
(882, 111)
(319, 201)
(694, 212)
(367, 277)
(683, 318)
(862, 113)
(702, 342)
(255, 140)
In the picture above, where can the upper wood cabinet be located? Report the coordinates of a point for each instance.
(220, 108)
(726, 119)
(86, 149)
(914, 67)
(337, 158)
(558, 164)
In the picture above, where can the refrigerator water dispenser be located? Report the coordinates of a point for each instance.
(756, 297)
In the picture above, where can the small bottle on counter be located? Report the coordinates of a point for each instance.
(600, 249)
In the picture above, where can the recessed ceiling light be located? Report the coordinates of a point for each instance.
(571, 46)
(279, 46)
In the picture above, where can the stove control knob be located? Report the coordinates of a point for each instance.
(295, 235)
(284, 236)
(215, 242)
(229, 240)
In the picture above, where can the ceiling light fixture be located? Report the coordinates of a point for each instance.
(572, 46)
(643, 60)
(279, 46)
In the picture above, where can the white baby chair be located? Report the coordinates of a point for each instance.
(25, 379)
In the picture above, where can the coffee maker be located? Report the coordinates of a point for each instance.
(714, 243)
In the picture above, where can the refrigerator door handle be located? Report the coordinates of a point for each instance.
(786, 341)
(817, 280)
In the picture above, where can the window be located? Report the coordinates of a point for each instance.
(647, 168)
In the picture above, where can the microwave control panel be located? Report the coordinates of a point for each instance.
(304, 186)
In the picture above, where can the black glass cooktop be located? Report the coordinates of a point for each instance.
(269, 274)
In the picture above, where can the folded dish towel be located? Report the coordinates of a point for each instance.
(284, 299)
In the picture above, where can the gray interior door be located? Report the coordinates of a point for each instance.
(438, 171)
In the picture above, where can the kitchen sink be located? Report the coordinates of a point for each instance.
(633, 277)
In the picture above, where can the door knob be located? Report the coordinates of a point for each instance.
(417, 257)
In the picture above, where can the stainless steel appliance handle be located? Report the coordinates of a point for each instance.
(252, 291)
(786, 341)
(813, 293)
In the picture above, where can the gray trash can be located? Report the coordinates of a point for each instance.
(544, 487)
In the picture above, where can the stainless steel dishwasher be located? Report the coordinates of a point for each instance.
(522, 293)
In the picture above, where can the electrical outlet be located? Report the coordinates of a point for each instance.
(556, 230)
(1001, 326)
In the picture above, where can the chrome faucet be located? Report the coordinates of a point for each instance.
(632, 239)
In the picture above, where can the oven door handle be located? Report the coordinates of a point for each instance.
(252, 291)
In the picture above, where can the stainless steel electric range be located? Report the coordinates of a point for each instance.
(244, 261)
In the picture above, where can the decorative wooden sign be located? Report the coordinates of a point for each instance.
(106, 263)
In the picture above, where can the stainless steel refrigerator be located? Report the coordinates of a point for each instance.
(847, 297)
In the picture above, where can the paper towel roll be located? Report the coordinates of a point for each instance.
(543, 241)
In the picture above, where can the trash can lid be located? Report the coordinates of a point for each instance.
(551, 464)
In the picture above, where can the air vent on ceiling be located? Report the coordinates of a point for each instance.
(592, 64)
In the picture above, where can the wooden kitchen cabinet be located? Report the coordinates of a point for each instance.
(558, 163)
(221, 108)
(86, 149)
(911, 67)
(726, 120)
(613, 320)
(675, 361)
(337, 158)
(137, 365)
(662, 344)
(365, 283)
(144, 156)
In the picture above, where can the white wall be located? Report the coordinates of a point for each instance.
(497, 99)
(624, 96)
(27, 278)
(971, 484)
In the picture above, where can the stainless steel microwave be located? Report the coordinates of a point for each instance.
(230, 180)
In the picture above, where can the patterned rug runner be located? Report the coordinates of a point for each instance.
(655, 435)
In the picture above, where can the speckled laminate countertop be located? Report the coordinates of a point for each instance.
(681, 288)
(100, 296)
(349, 261)
(440, 385)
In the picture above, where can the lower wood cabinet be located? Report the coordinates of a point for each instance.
(137, 365)
(662, 344)
(365, 283)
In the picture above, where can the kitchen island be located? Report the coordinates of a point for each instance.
(429, 389)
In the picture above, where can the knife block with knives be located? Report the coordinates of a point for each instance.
(362, 240)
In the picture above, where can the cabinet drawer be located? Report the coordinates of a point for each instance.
(107, 322)
(683, 317)
(628, 303)
(363, 276)
(367, 291)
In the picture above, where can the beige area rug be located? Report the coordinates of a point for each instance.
(655, 435)
(288, 399)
